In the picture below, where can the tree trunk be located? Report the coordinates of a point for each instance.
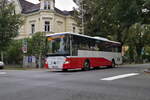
(139, 54)
(39, 62)
(2, 56)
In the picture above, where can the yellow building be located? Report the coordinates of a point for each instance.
(44, 17)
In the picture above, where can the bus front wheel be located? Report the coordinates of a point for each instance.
(86, 65)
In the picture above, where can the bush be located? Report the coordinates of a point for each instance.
(13, 54)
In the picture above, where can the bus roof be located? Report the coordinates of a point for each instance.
(96, 38)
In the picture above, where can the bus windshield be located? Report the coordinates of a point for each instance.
(58, 46)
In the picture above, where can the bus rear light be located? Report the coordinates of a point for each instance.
(46, 64)
(66, 62)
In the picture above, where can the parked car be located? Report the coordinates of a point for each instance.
(1, 64)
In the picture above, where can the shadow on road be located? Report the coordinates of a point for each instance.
(79, 70)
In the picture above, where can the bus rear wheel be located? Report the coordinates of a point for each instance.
(113, 64)
(64, 70)
(86, 65)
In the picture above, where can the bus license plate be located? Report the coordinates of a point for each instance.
(55, 66)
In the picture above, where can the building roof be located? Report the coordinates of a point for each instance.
(28, 7)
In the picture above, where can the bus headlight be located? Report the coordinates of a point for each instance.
(66, 62)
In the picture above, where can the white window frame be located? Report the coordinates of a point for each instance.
(47, 26)
(47, 5)
(32, 28)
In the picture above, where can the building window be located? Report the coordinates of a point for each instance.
(47, 26)
(46, 5)
(74, 29)
(32, 28)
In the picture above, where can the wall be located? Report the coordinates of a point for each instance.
(70, 23)
(58, 23)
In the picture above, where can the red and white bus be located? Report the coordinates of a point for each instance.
(76, 51)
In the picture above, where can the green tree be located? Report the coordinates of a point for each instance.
(84, 11)
(37, 46)
(125, 14)
(146, 55)
(13, 53)
(110, 18)
(116, 20)
(9, 23)
(138, 39)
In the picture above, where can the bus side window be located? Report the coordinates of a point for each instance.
(101, 46)
(66, 44)
(83, 43)
(116, 48)
(75, 46)
(92, 45)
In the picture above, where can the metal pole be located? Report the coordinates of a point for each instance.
(82, 17)
(24, 60)
(70, 38)
(39, 61)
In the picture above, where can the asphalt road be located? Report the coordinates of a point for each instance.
(131, 84)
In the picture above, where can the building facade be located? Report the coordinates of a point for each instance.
(44, 17)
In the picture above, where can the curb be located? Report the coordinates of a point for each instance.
(147, 71)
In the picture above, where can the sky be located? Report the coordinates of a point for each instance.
(61, 4)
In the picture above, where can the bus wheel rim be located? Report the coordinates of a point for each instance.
(86, 65)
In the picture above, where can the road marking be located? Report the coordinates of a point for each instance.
(3, 73)
(119, 76)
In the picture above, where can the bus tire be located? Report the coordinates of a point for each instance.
(65, 70)
(113, 65)
(86, 65)
(1, 67)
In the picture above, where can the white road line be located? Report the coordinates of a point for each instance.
(3, 73)
(119, 76)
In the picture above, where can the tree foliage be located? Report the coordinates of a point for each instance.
(13, 53)
(139, 39)
(119, 20)
(37, 44)
(37, 47)
(9, 23)
(110, 18)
